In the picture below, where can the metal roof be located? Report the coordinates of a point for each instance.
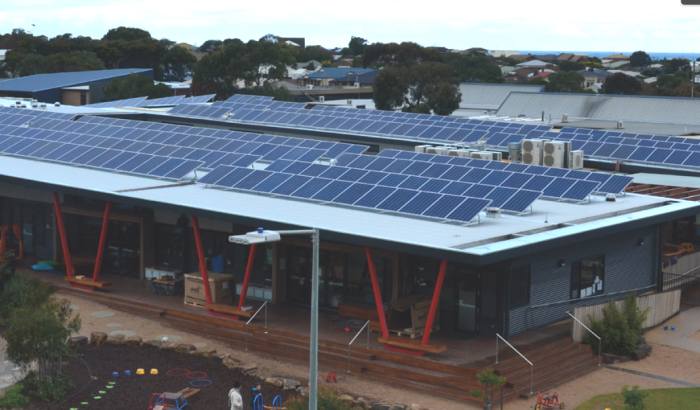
(643, 109)
(41, 82)
(490, 96)
(551, 222)
(340, 73)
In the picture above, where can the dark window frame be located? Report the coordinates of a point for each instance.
(577, 284)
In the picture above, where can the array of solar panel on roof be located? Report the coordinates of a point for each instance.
(391, 124)
(164, 102)
(347, 193)
(128, 102)
(106, 137)
(199, 99)
(486, 181)
(606, 183)
(352, 168)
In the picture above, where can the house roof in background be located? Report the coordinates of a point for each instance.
(48, 81)
(489, 96)
(339, 73)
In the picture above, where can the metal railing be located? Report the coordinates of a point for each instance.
(263, 306)
(522, 356)
(594, 334)
(352, 341)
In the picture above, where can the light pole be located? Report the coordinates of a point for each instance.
(263, 236)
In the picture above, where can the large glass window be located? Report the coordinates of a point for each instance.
(519, 286)
(588, 277)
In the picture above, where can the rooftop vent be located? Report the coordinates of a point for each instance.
(493, 212)
(610, 198)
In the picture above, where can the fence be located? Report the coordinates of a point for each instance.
(661, 306)
(681, 271)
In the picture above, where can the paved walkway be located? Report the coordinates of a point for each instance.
(686, 333)
(653, 376)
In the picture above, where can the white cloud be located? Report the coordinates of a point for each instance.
(504, 24)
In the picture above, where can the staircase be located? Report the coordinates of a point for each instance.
(555, 363)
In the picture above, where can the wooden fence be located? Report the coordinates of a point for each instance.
(661, 306)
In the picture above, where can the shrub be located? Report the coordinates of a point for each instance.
(327, 400)
(21, 291)
(39, 335)
(633, 398)
(620, 330)
(14, 398)
(489, 381)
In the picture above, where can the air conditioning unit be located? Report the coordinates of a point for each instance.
(356, 84)
(620, 125)
(564, 118)
(554, 154)
(453, 152)
(321, 99)
(576, 159)
(487, 155)
(493, 212)
(421, 148)
(442, 150)
(465, 152)
(532, 151)
(515, 152)
(431, 150)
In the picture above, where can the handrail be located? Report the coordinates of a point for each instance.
(352, 341)
(522, 356)
(583, 325)
(264, 305)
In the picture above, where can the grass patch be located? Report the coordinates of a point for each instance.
(657, 399)
(14, 398)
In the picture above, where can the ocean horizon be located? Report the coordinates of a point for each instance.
(601, 54)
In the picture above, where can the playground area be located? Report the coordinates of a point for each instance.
(106, 377)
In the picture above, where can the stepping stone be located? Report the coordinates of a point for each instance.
(114, 325)
(169, 338)
(101, 314)
(125, 333)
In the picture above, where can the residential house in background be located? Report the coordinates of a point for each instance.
(342, 76)
(593, 78)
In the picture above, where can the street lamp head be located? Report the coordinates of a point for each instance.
(258, 236)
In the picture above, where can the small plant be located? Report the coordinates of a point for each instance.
(490, 381)
(633, 398)
(620, 330)
(20, 291)
(14, 398)
(327, 400)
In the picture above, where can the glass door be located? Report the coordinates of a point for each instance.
(467, 304)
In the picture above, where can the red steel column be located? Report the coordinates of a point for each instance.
(377, 293)
(102, 242)
(202, 261)
(435, 302)
(246, 276)
(67, 259)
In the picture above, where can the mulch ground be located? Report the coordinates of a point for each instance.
(91, 373)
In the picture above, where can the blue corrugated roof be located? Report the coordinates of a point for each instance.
(41, 82)
(339, 73)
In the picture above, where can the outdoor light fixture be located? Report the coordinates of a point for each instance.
(561, 263)
(261, 235)
(640, 242)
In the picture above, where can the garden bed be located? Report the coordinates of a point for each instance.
(91, 374)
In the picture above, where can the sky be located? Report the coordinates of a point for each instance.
(591, 25)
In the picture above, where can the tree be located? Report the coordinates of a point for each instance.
(178, 62)
(21, 291)
(571, 66)
(620, 330)
(633, 398)
(126, 47)
(676, 84)
(564, 82)
(475, 67)
(675, 65)
(39, 334)
(210, 45)
(640, 59)
(443, 97)
(317, 53)
(489, 381)
(407, 53)
(390, 87)
(619, 83)
(357, 45)
(132, 86)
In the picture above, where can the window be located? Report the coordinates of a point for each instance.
(587, 277)
(519, 286)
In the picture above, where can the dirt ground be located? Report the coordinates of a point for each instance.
(97, 317)
(665, 360)
(91, 373)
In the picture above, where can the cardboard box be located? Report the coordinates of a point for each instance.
(220, 284)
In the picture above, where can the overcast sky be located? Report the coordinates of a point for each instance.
(591, 25)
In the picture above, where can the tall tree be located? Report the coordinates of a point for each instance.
(640, 59)
(564, 82)
(125, 47)
(619, 83)
(210, 45)
(475, 67)
(133, 86)
(177, 63)
(357, 45)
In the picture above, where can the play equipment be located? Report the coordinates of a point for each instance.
(168, 400)
(115, 374)
(140, 371)
(153, 372)
(548, 402)
(201, 383)
(127, 373)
